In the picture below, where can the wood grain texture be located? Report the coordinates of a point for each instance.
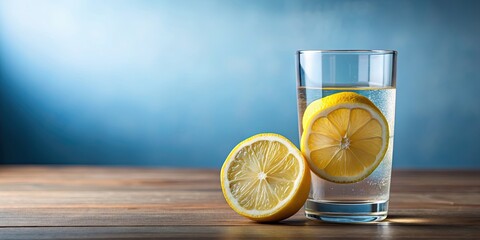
(124, 203)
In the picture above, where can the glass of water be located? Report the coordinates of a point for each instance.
(371, 74)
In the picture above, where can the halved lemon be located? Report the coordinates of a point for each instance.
(345, 137)
(265, 178)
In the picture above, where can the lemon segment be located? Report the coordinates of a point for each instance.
(265, 178)
(345, 137)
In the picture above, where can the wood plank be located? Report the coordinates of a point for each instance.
(259, 231)
(115, 179)
(96, 202)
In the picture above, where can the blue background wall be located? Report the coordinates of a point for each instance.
(179, 83)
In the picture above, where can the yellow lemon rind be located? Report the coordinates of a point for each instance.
(333, 100)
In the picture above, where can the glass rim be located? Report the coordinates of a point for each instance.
(350, 51)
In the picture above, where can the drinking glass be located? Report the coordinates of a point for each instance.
(371, 73)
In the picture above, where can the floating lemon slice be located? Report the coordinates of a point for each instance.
(265, 178)
(345, 137)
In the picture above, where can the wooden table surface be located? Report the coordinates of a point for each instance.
(39, 202)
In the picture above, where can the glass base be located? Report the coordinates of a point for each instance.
(346, 212)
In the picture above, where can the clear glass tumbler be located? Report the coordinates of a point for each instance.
(371, 73)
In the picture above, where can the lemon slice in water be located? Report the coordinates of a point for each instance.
(345, 137)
